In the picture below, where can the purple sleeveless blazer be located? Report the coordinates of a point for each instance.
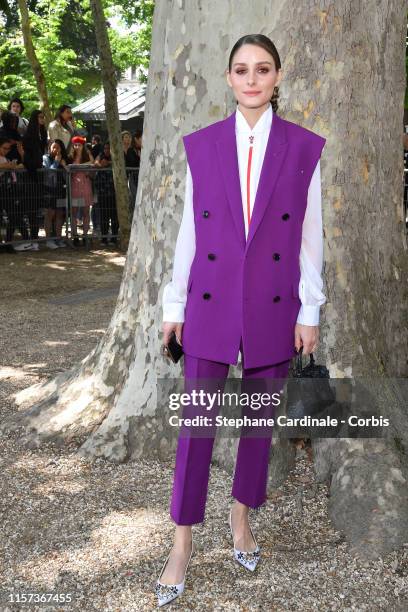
(247, 288)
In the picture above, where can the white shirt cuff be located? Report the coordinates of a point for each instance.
(173, 313)
(308, 315)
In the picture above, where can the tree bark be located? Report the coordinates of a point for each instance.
(33, 60)
(343, 84)
(109, 82)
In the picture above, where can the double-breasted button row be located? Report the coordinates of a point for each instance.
(207, 296)
(206, 214)
(211, 257)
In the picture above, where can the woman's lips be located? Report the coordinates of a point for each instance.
(252, 93)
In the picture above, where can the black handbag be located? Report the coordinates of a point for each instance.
(307, 398)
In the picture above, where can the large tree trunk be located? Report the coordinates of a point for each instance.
(345, 85)
(109, 82)
(33, 60)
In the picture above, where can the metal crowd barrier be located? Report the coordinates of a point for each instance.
(61, 205)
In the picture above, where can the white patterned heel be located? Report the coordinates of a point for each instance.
(246, 558)
(167, 592)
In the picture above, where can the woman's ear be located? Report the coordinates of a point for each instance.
(227, 74)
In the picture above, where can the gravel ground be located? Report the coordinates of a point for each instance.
(101, 531)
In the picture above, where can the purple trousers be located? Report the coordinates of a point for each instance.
(193, 455)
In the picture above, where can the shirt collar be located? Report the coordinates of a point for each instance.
(262, 125)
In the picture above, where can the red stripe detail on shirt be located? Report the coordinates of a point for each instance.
(248, 184)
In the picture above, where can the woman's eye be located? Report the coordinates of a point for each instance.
(263, 70)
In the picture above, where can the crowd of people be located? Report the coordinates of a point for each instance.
(66, 160)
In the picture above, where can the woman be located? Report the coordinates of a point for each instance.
(35, 141)
(16, 106)
(131, 157)
(63, 126)
(81, 186)
(137, 143)
(246, 278)
(16, 208)
(132, 162)
(9, 130)
(8, 196)
(55, 162)
(105, 190)
(35, 146)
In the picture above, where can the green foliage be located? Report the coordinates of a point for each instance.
(64, 39)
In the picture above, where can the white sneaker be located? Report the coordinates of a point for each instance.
(51, 244)
(23, 246)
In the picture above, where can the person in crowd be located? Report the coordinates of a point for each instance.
(97, 147)
(131, 156)
(15, 154)
(63, 127)
(55, 162)
(5, 163)
(137, 143)
(35, 141)
(132, 162)
(8, 129)
(31, 182)
(9, 201)
(106, 196)
(81, 186)
(16, 106)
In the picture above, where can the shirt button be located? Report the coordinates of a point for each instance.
(276, 256)
(206, 214)
(285, 216)
(211, 256)
(206, 296)
(276, 298)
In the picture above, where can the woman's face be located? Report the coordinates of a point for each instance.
(253, 70)
(5, 148)
(15, 108)
(41, 119)
(127, 140)
(66, 115)
(78, 146)
(55, 149)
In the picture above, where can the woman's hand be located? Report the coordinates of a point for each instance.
(306, 336)
(20, 149)
(168, 328)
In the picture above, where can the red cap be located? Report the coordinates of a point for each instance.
(79, 139)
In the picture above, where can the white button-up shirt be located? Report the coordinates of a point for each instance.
(311, 252)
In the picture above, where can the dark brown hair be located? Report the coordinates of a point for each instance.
(84, 155)
(261, 41)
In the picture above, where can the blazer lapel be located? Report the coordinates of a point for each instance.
(275, 153)
(228, 160)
